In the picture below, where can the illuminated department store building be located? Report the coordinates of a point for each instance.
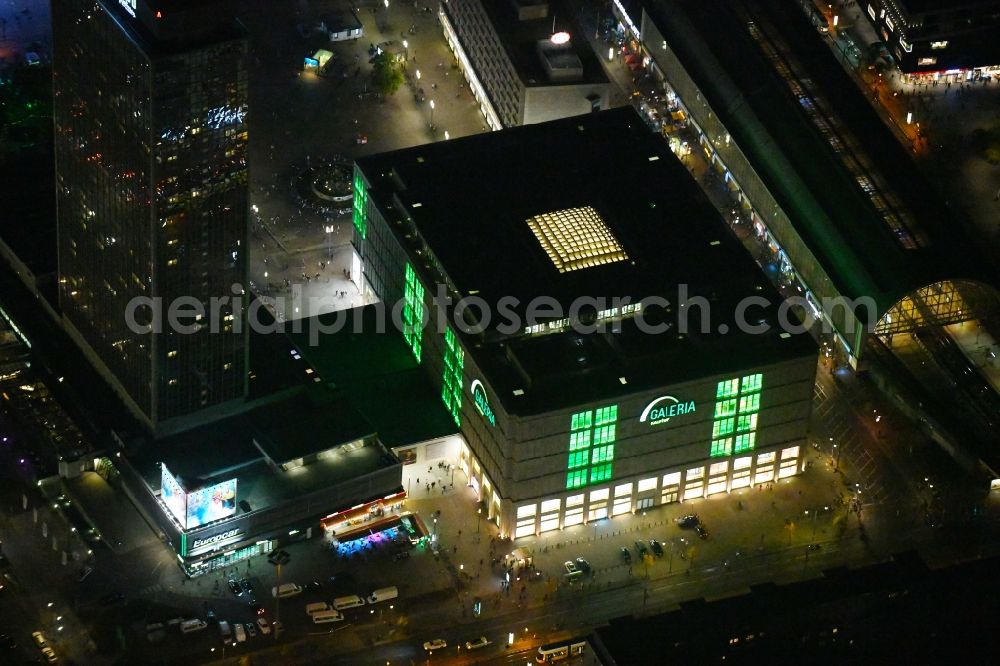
(561, 426)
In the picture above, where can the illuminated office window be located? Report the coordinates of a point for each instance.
(360, 206)
(592, 446)
(736, 407)
(451, 385)
(413, 312)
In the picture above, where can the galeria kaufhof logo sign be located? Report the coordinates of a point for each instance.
(481, 402)
(665, 408)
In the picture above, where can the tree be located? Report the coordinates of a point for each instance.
(387, 74)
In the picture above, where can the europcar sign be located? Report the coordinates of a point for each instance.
(665, 408)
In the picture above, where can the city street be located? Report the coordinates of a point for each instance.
(938, 115)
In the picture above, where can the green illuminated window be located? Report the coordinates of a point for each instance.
(579, 440)
(600, 473)
(591, 442)
(607, 415)
(740, 412)
(360, 205)
(576, 479)
(578, 459)
(747, 422)
(722, 427)
(745, 442)
(451, 384)
(725, 407)
(582, 420)
(727, 389)
(722, 447)
(604, 434)
(750, 384)
(749, 403)
(603, 454)
(413, 312)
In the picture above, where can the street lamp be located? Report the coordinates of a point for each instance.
(406, 50)
(432, 113)
(446, 135)
(329, 240)
(418, 75)
(278, 558)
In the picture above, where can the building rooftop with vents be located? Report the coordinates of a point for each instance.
(525, 28)
(611, 214)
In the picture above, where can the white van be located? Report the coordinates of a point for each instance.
(191, 626)
(317, 607)
(323, 617)
(351, 601)
(286, 590)
(383, 594)
(241, 633)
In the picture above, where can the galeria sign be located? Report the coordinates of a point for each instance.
(665, 408)
(482, 404)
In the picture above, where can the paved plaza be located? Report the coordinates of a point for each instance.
(300, 119)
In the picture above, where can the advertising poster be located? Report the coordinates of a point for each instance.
(212, 503)
(173, 495)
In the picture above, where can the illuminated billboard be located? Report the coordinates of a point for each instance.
(173, 495)
(211, 503)
(199, 506)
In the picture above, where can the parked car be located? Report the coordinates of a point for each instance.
(702, 532)
(246, 585)
(583, 565)
(435, 644)
(480, 642)
(657, 547)
(191, 626)
(235, 588)
(251, 629)
(241, 634)
(226, 632)
(50, 655)
(265, 626)
(641, 548)
(687, 522)
(570, 567)
(626, 555)
(39, 639)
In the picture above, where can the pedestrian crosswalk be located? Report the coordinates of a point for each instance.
(150, 590)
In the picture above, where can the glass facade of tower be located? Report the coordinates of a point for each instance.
(151, 180)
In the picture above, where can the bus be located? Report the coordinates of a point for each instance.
(554, 652)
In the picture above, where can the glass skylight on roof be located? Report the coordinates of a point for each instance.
(576, 238)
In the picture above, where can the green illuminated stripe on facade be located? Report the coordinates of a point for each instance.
(734, 428)
(360, 205)
(413, 312)
(451, 381)
(592, 446)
